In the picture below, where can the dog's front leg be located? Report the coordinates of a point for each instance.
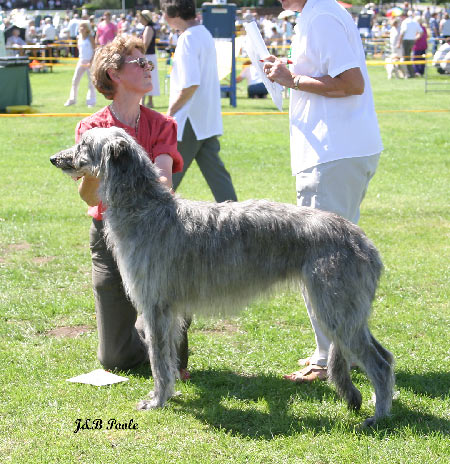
(158, 330)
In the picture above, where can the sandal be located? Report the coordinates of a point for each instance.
(308, 374)
(307, 362)
(304, 361)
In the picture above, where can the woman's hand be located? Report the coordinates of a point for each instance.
(278, 72)
(88, 189)
(165, 162)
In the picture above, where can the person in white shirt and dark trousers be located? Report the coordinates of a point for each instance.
(194, 100)
(410, 31)
(334, 134)
(48, 36)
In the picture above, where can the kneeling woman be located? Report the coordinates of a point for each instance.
(122, 74)
(255, 86)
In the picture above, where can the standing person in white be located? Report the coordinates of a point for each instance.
(334, 134)
(86, 52)
(195, 98)
(74, 24)
(410, 31)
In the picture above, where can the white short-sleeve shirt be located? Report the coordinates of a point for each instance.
(410, 28)
(195, 63)
(323, 129)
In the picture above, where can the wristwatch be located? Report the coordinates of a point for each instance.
(297, 80)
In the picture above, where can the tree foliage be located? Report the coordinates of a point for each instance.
(103, 5)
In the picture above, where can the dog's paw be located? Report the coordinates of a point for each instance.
(354, 400)
(144, 405)
(370, 422)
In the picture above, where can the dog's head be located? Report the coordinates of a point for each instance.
(95, 147)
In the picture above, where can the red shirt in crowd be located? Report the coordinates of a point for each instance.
(106, 32)
(157, 134)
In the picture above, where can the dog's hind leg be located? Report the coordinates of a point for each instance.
(339, 374)
(387, 355)
(161, 332)
(378, 365)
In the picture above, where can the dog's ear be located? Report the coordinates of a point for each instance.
(117, 149)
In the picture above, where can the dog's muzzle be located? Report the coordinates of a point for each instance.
(63, 159)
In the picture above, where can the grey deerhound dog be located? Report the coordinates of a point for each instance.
(179, 257)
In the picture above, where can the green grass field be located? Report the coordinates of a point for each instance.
(237, 408)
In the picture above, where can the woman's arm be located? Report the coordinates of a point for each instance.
(88, 190)
(350, 82)
(89, 184)
(147, 36)
(165, 162)
(183, 97)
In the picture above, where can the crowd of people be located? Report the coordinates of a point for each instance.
(412, 33)
(407, 33)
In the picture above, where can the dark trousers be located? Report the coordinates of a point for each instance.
(48, 51)
(257, 90)
(417, 56)
(121, 340)
(407, 54)
(206, 153)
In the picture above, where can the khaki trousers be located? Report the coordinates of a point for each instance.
(339, 187)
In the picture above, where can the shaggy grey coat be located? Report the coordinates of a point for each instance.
(178, 257)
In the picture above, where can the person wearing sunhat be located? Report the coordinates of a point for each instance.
(149, 39)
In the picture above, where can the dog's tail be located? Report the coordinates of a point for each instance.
(340, 273)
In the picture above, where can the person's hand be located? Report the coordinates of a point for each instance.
(277, 71)
(164, 163)
(88, 177)
(165, 181)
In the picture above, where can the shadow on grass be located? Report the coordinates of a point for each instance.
(214, 387)
(431, 384)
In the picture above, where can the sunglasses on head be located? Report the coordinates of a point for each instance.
(142, 63)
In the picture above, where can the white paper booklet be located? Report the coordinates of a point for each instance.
(256, 50)
(99, 377)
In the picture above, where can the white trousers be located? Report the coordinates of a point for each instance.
(339, 187)
(91, 96)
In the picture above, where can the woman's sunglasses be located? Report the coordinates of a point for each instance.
(142, 63)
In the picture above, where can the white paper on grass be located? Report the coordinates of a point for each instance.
(256, 50)
(99, 377)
